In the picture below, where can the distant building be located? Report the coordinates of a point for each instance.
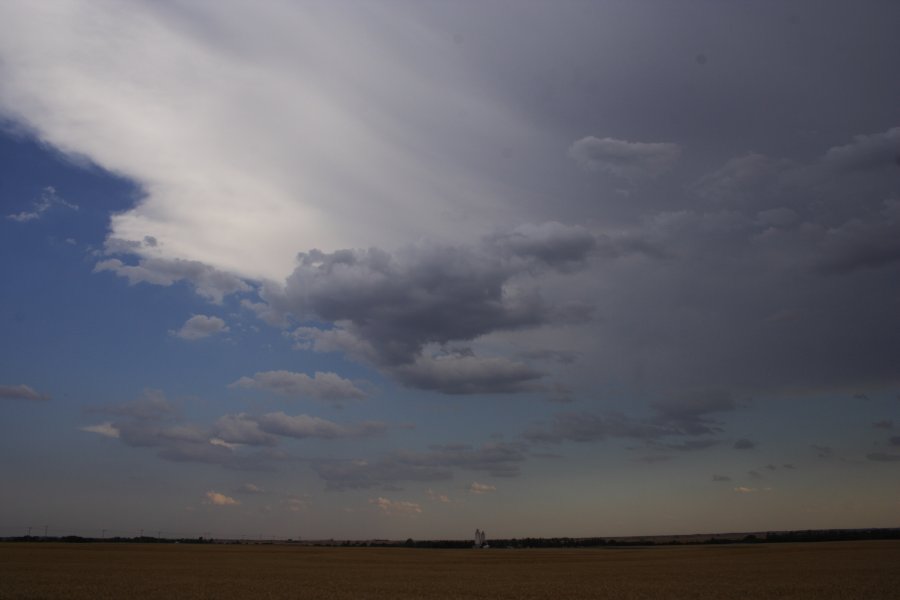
(480, 539)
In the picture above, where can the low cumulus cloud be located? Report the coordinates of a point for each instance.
(236, 441)
(321, 386)
(21, 392)
(437, 496)
(481, 488)
(396, 507)
(199, 327)
(220, 499)
(621, 158)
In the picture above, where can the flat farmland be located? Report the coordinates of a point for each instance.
(819, 571)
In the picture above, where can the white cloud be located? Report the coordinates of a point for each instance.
(396, 507)
(208, 282)
(437, 497)
(322, 386)
(199, 327)
(245, 144)
(49, 198)
(629, 160)
(106, 429)
(219, 499)
(481, 488)
(744, 490)
(21, 392)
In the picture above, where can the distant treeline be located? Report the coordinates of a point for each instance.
(808, 535)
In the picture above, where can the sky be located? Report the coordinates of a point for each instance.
(395, 269)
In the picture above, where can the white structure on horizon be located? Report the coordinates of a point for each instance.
(480, 539)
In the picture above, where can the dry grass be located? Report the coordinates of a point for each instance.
(822, 571)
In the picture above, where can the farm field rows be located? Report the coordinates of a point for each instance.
(819, 571)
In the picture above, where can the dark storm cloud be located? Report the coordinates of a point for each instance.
(389, 307)
(552, 244)
(460, 374)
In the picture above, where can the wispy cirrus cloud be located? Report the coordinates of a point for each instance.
(21, 392)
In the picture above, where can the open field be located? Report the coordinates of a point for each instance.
(821, 571)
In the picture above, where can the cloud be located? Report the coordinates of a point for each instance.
(305, 426)
(481, 488)
(354, 144)
(250, 488)
(823, 452)
(866, 152)
(721, 478)
(49, 198)
(219, 499)
(207, 281)
(437, 497)
(498, 459)
(241, 429)
(685, 414)
(21, 392)
(399, 311)
(883, 457)
(151, 421)
(199, 327)
(550, 243)
(467, 374)
(106, 429)
(744, 444)
(150, 405)
(744, 490)
(396, 507)
(398, 303)
(746, 181)
(689, 445)
(883, 424)
(895, 440)
(630, 160)
(321, 386)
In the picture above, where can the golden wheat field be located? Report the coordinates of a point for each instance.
(869, 570)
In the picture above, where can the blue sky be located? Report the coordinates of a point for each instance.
(406, 269)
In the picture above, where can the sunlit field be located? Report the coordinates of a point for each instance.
(868, 570)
